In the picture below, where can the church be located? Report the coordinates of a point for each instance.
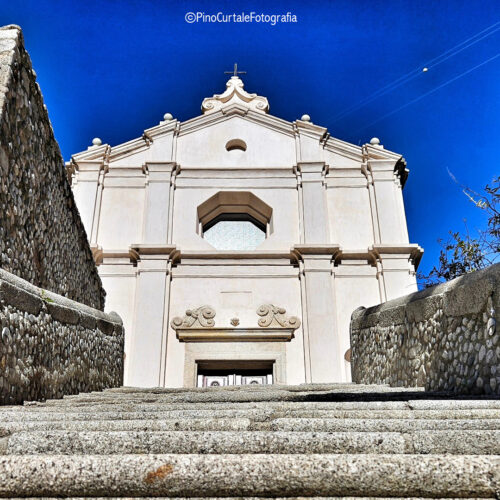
(236, 245)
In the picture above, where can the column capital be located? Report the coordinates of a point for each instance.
(315, 257)
(145, 251)
(162, 166)
(412, 252)
(312, 167)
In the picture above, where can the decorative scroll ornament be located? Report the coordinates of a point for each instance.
(275, 316)
(233, 94)
(194, 318)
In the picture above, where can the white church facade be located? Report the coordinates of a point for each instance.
(236, 245)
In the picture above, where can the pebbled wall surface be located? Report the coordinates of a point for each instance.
(444, 338)
(51, 346)
(42, 238)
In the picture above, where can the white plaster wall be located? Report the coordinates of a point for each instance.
(392, 227)
(119, 283)
(206, 147)
(350, 217)
(355, 285)
(85, 191)
(122, 214)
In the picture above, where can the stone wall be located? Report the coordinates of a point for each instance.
(444, 338)
(42, 238)
(51, 346)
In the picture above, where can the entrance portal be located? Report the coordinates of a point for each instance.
(222, 373)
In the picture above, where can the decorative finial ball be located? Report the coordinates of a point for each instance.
(305, 118)
(96, 141)
(167, 117)
(375, 141)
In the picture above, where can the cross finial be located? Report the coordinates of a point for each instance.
(235, 71)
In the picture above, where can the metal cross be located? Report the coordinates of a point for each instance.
(235, 71)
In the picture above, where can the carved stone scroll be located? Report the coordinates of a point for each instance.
(235, 93)
(276, 316)
(201, 317)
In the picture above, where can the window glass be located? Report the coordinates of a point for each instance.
(234, 235)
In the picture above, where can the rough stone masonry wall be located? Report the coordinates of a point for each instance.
(42, 238)
(444, 338)
(51, 346)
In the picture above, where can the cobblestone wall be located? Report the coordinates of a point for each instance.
(443, 338)
(51, 346)
(42, 238)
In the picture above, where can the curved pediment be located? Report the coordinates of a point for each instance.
(235, 94)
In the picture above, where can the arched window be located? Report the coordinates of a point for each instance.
(234, 220)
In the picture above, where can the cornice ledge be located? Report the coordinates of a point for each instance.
(100, 254)
(93, 153)
(298, 251)
(161, 129)
(234, 254)
(162, 166)
(234, 109)
(310, 130)
(356, 254)
(378, 153)
(413, 250)
(304, 166)
(234, 334)
(343, 148)
(128, 148)
(151, 250)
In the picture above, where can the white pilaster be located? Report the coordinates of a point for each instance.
(320, 312)
(148, 343)
(314, 204)
(158, 203)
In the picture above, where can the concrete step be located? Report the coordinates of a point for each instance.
(289, 399)
(246, 424)
(334, 387)
(250, 475)
(253, 498)
(361, 404)
(254, 414)
(270, 395)
(244, 442)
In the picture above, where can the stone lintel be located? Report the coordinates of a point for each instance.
(235, 334)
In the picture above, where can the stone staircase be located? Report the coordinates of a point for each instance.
(252, 441)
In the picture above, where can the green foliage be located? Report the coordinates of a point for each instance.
(45, 297)
(462, 253)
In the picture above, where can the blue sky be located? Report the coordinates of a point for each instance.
(113, 68)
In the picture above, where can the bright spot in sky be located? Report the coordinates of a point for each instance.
(425, 70)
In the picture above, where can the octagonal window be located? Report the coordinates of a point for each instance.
(231, 231)
(234, 220)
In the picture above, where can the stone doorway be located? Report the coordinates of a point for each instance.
(224, 373)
